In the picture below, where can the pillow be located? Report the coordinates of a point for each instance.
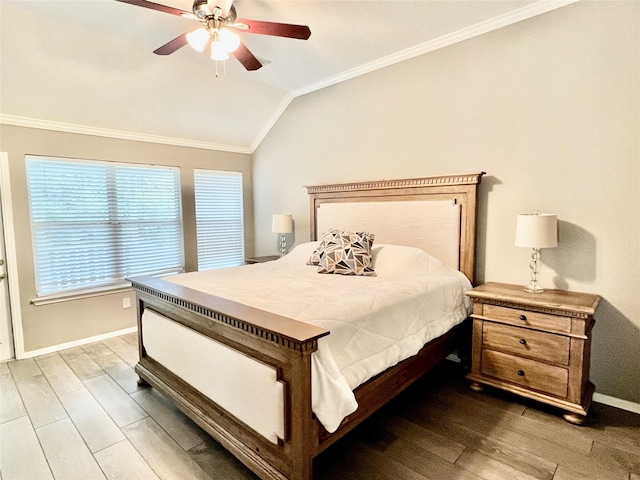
(347, 253)
(317, 254)
(300, 252)
(397, 260)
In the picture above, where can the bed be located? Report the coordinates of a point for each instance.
(244, 365)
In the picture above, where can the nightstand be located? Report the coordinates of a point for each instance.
(536, 345)
(266, 258)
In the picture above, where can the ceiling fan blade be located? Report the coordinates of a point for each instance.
(159, 8)
(246, 58)
(170, 47)
(301, 32)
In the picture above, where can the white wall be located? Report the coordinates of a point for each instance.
(549, 108)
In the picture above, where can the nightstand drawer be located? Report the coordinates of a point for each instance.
(525, 318)
(525, 372)
(548, 347)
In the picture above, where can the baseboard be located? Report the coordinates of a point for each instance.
(78, 343)
(617, 402)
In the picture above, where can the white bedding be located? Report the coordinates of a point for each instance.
(375, 322)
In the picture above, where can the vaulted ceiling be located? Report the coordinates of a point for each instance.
(87, 65)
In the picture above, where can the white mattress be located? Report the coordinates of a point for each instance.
(375, 322)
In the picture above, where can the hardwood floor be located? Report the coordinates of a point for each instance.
(79, 414)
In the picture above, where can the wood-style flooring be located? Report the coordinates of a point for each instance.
(79, 414)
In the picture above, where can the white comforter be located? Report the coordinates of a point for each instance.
(375, 322)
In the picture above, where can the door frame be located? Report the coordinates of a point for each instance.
(6, 206)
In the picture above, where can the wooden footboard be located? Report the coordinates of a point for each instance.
(282, 343)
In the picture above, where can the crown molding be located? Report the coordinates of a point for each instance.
(478, 29)
(119, 134)
(271, 122)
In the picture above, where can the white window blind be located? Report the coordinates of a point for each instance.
(95, 223)
(219, 218)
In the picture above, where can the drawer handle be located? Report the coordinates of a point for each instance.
(522, 317)
(523, 341)
(521, 373)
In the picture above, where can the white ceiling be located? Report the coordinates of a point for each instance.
(87, 65)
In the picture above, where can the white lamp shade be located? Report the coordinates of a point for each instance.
(537, 230)
(282, 223)
(218, 52)
(230, 40)
(198, 39)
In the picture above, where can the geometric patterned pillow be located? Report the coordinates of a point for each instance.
(347, 253)
(319, 251)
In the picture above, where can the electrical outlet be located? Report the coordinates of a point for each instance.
(126, 302)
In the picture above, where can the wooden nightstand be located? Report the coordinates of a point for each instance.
(266, 258)
(534, 344)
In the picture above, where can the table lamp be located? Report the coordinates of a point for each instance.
(282, 224)
(536, 230)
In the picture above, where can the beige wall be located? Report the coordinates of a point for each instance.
(549, 108)
(54, 324)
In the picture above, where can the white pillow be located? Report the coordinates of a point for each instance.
(397, 259)
(301, 252)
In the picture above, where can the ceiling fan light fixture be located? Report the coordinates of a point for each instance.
(216, 16)
(198, 39)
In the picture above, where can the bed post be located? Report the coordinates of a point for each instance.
(303, 428)
(141, 353)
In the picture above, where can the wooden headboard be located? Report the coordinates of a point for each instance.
(437, 214)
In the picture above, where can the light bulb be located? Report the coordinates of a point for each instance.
(198, 39)
(229, 39)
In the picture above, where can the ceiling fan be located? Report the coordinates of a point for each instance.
(218, 19)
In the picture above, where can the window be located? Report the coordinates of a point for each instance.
(95, 223)
(219, 219)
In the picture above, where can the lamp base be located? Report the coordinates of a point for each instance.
(533, 287)
(283, 245)
(534, 265)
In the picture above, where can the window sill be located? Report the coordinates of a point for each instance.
(80, 294)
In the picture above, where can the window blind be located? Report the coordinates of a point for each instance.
(219, 218)
(95, 223)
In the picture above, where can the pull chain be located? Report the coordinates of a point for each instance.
(224, 68)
